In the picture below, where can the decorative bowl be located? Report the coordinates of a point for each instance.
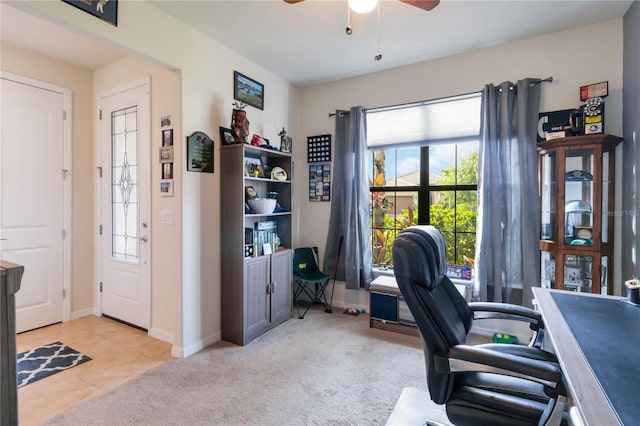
(262, 205)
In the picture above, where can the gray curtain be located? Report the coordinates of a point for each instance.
(350, 202)
(507, 262)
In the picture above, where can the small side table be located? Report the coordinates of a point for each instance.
(10, 278)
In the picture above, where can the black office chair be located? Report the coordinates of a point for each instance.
(493, 384)
(308, 279)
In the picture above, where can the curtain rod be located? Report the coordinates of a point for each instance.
(341, 112)
(537, 81)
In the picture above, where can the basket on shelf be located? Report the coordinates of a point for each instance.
(262, 205)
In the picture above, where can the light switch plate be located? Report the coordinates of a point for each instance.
(167, 217)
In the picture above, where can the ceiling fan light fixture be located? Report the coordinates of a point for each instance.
(362, 6)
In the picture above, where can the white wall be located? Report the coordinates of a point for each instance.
(558, 55)
(206, 70)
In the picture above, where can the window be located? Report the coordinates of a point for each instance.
(427, 178)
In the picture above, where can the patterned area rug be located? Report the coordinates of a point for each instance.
(46, 360)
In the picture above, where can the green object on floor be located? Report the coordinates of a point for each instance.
(351, 311)
(505, 338)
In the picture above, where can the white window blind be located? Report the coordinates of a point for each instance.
(446, 120)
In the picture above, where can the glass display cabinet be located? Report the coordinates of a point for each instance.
(576, 196)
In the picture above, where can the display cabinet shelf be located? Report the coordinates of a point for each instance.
(577, 200)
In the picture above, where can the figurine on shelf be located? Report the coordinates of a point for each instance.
(285, 141)
(239, 122)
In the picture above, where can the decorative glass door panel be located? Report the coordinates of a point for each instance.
(605, 197)
(577, 272)
(604, 275)
(548, 196)
(124, 185)
(579, 197)
(548, 269)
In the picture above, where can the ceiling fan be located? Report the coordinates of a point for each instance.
(369, 5)
(366, 6)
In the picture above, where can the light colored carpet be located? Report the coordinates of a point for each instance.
(327, 369)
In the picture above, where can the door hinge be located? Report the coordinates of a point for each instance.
(100, 230)
(64, 234)
(99, 171)
(64, 115)
(100, 286)
(64, 293)
(100, 117)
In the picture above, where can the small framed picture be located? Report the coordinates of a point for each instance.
(166, 154)
(165, 121)
(226, 136)
(253, 167)
(167, 137)
(166, 188)
(266, 248)
(167, 171)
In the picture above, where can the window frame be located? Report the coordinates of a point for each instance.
(424, 190)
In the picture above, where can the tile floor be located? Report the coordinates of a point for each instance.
(118, 354)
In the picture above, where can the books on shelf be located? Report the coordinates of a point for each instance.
(263, 238)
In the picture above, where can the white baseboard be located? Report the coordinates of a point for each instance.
(179, 352)
(82, 313)
(163, 335)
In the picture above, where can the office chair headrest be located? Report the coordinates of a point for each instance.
(420, 255)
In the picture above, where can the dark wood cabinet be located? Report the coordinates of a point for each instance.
(576, 176)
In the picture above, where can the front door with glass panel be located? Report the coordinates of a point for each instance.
(124, 188)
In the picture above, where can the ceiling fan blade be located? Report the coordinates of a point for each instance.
(292, 1)
(422, 4)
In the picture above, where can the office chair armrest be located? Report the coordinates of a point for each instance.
(484, 310)
(475, 358)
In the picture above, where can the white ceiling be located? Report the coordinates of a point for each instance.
(305, 43)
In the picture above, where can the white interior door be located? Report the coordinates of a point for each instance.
(32, 198)
(125, 199)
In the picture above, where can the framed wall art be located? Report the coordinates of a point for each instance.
(320, 182)
(166, 154)
(199, 153)
(166, 188)
(105, 10)
(226, 137)
(248, 90)
(319, 149)
(167, 137)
